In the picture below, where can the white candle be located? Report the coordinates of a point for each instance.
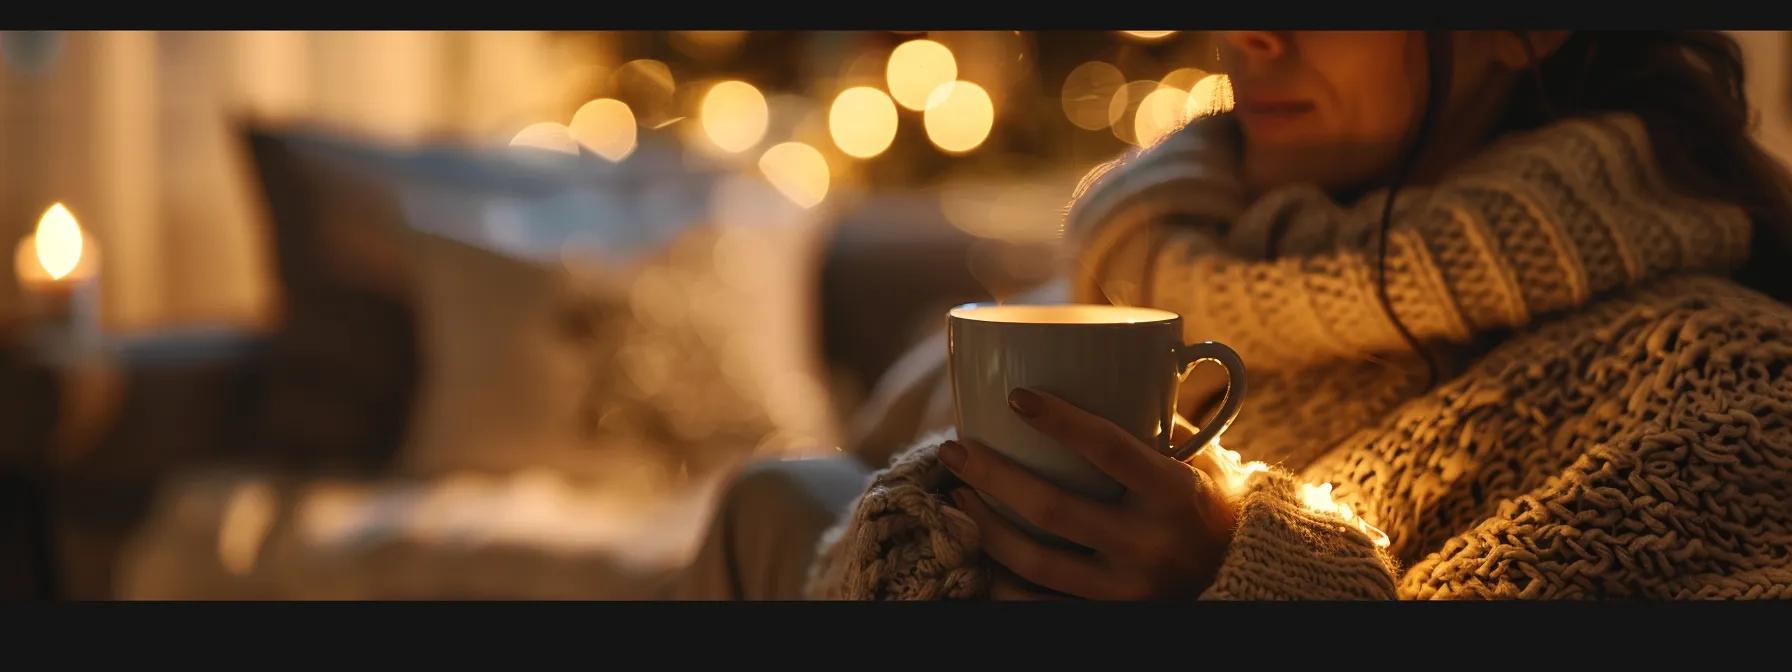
(58, 271)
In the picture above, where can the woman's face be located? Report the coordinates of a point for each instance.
(1336, 108)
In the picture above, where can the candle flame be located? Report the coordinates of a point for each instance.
(58, 242)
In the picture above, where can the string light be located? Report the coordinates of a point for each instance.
(546, 135)
(862, 122)
(734, 115)
(1086, 93)
(605, 126)
(1211, 95)
(1159, 113)
(798, 171)
(916, 69)
(959, 116)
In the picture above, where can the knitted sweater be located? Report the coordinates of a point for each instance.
(1613, 421)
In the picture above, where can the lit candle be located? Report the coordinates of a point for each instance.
(58, 271)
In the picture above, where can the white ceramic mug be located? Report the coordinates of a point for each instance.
(1124, 364)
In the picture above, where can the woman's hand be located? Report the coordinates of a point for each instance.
(1163, 539)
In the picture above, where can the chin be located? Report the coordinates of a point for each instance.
(1333, 168)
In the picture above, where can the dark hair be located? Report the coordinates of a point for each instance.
(1688, 89)
(1439, 62)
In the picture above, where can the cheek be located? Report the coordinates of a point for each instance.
(1376, 109)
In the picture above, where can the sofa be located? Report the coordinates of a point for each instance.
(281, 463)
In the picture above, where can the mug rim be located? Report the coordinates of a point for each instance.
(1164, 316)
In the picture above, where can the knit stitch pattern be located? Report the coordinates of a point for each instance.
(1615, 420)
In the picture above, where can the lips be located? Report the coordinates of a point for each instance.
(1266, 118)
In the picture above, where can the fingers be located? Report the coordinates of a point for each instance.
(1043, 504)
(1028, 558)
(1121, 455)
(1207, 462)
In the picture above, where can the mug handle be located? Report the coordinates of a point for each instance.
(1187, 356)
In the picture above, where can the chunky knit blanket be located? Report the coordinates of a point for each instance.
(1614, 419)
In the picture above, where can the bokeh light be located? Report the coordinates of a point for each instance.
(606, 127)
(734, 115)
(916, 69)
(546, 135)
(1001, 61)
(1159, 113)
(798, 171)
(1211, 95)
(862, 122)
(959, 116)
(1183, 78)
(1149, 35)
(647, 86)
(1123, 108)
(57, 241)
(1087, 92)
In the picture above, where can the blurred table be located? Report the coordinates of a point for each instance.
(89, 436)
(31, 411)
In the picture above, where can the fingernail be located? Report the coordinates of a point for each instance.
(1024, 402)
(952, 454)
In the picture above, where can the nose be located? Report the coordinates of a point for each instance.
(1256, 45)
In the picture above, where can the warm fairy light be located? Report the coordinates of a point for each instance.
(959, 116)
(734, 115)
(605, 126)
(1123, 107)
(1183, 78)
(546, 135)
(916, 69)
(648, 87)
(696, 142)
(1087, 91)
(1319, 498)
(58, 242)
(1149, 35)
(1211, 95)
(798, 171)
(1158, 114)
(1235, 475)
(862, 122)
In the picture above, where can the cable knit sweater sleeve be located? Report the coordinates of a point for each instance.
(1283, 550)
(1290, 280)
(904, 541)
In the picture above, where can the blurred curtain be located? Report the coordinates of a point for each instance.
(133, 130)
(1768, 54)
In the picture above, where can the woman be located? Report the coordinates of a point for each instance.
(1545, 367)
